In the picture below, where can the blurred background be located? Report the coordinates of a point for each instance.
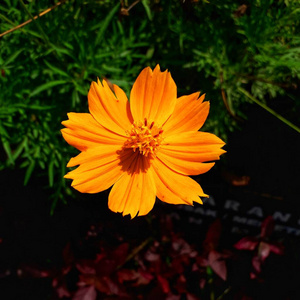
(243, 243)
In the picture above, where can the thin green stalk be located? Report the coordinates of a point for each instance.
(271, 111)
(224, 293)
(210, 281)
(7, 20)
(135, 251)
(36, 23)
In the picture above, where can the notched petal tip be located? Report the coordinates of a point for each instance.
(130, 215)
(72, 163)
(201, 97)
(222, 151)
(157, 67)
(68, 176)
(153, 96)
(199, 201)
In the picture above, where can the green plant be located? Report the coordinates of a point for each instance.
(220, 47)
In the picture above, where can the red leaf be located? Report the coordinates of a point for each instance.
(181, 285)
(191, 297)
(86, 266)
(256, 263)
(99, 257)
(102, 283)
(179, 262)
(217, 264)
(106, 267)
(201, 261)
(164, 284)
(173, 297)
(67, 254)
(277, 249)
(61, 288)
(143, 278)
(113, 288)
(151, 256)
(246, 243)
(33, 271)
(267, 227)
(212, 236)
(120, 254)
(88, 279)
(85, 293)
(182, 247)
(202, 283)
(126, 275)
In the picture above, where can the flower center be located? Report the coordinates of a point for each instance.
(145, 137)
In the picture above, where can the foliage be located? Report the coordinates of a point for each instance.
(167, 266)
(217, 47)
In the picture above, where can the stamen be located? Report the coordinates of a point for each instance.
(146, 139)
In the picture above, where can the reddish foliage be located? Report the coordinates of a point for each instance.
(261, 245)
(160, 268)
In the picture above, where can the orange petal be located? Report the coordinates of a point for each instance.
(99, 169)
(102, 154)
(97, 179)
(134, 193)
(193, 146)
(84, 132)
(183, 166)
(174, 188)
(185, 152)
(153, 96)
(110, 110)
(189, 114)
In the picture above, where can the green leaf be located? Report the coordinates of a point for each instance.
(56, 70)
(7, 150)
(34, 106)
(103, 26)
(51, 171)
(75, 98)
(147, 9)
(19, 149)
(12, 57)
(61, 50)
(29, 172)
(46, 86)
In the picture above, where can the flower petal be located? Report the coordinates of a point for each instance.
(185, 152)
(193, 146)
(110, 110)
(183, 166)
(153, 96)
(189, 114)
(173, 187)
(84, 132)
(135, 192)
(99, 169)
(102, 154)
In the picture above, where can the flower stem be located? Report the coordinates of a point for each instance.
(271, 111)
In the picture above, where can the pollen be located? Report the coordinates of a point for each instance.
(145, 137)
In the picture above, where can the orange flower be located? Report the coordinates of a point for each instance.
(145, 148)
